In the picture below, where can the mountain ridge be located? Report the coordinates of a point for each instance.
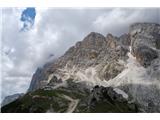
(92, 46)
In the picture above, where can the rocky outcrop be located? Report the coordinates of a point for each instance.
(111, 41)
(145, 55)
(100, 93)
(110, 70)
(107, 99)
(145, 39)
(147, 34)
(54, 81)
(37, 80)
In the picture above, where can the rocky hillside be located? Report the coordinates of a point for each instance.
(72, 97)
(94, 51)
(99, 74)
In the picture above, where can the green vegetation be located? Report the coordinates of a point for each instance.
(53, 100)
(38, 101)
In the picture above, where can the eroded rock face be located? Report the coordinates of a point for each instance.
(145, 41)
(145, 55)
(94, 50)
(110, 70)
(37, 80)
(147, 34)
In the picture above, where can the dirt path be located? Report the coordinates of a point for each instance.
(72, 105)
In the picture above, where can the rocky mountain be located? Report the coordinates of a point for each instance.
(99, 74)
(94, 51)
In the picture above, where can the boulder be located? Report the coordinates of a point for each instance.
(106, 99)
(100, 93)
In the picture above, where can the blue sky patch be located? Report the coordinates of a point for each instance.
(28, 17)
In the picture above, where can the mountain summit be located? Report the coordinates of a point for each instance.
(99, 74)
(94, 50)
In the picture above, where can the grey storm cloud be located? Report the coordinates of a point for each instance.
(53, 32)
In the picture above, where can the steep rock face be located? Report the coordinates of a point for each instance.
(145, 39)
(145, 33)
(83, 54)
(94, 51)
(145, 55)
(37, 78)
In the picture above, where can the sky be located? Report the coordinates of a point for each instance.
(27, 18)
(33, 36)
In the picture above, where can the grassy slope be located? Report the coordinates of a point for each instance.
(43, 100)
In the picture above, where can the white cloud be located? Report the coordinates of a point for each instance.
(54, 31)
(118, 20)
